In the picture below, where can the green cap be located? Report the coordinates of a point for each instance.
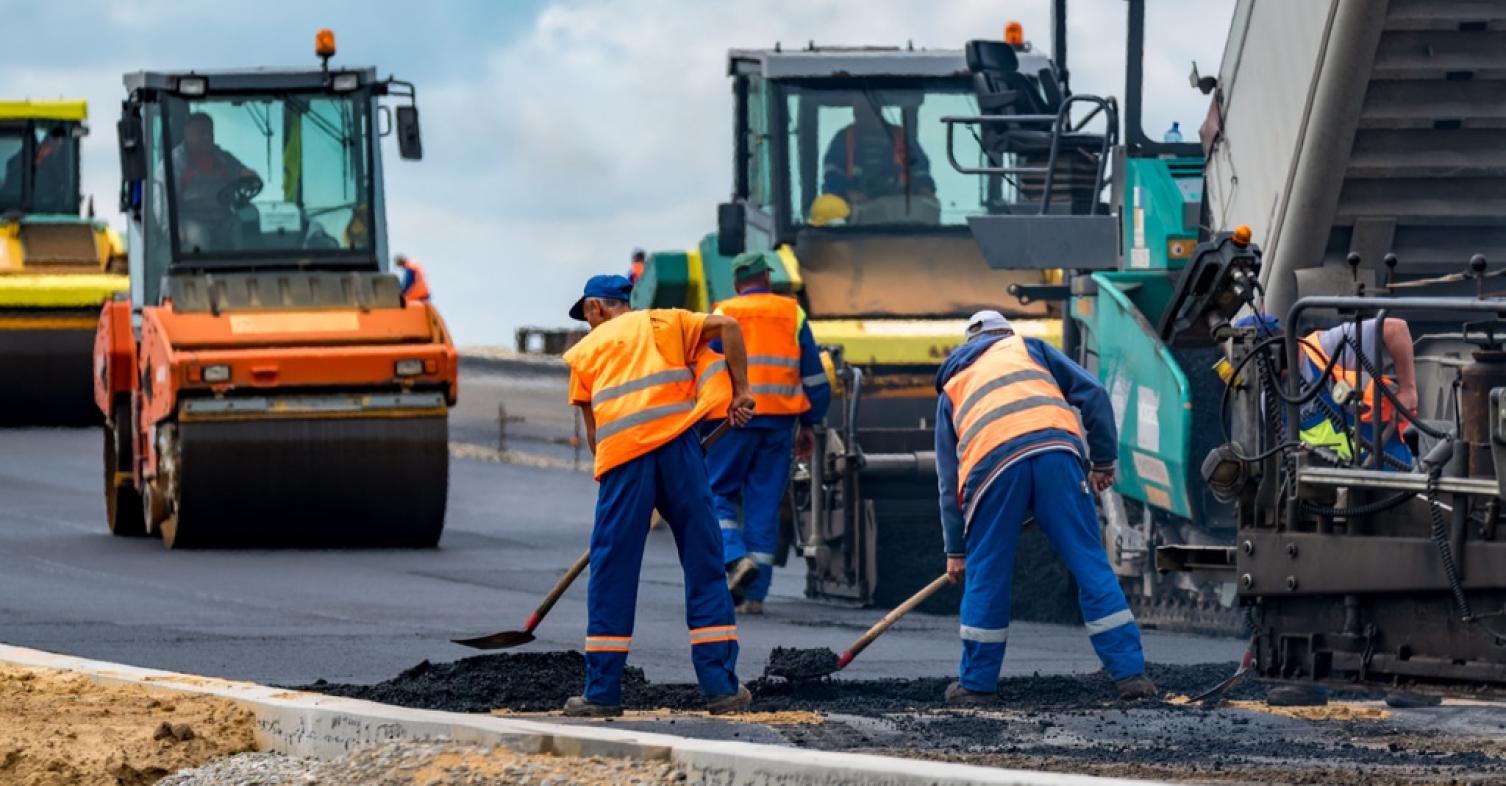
(749, 264)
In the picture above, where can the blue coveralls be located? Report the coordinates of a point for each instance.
(1042, 472)
(672, 479)
(750, 466)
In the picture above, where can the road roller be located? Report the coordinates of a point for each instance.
(58, 264)
(267, 383)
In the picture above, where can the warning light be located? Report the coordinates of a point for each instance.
(324, 43)
(1014, 35)
(1242, 235)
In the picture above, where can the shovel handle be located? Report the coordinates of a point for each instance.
(891, 618)
(716, 434)
(559, 589)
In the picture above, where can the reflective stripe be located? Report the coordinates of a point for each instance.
(1008, 379)
(710, 373)
(815, 379)
(761, 557)
(643, 416)
(984, 635)
(713, 634)
(652, 380)
(773, 360)
(608, 643)
(776, 390)
(1011, 408)
(1109, 623)
(730, 524)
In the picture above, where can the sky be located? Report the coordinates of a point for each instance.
(558, 134)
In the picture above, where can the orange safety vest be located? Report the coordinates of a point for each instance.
(640, 400)
(418, 286)
(1312, 349)
(771, 331)
(1003, 395)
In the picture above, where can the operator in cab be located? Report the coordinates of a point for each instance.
(872, 159)
(51, 179)
(1008, 441)
(750, 467)
(1327, 425)
(642, 381)
(210, 182)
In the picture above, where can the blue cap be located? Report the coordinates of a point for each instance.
(1263, 323)
(608, 287)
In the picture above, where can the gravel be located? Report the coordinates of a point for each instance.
(426, 762)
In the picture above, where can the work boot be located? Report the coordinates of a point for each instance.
(1136, 687)
(736, 702)
(581, 707)
(753, 607)
(1297, 696)
(958, 696)
(740, 573)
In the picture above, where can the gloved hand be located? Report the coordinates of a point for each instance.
(805, 442)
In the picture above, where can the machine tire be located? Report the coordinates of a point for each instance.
(122, 501)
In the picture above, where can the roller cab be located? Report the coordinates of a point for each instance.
(57, 267)
(267, 384)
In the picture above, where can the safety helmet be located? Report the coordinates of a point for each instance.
(827, 209)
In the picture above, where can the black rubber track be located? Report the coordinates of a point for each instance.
(377, 482)
(47, 376)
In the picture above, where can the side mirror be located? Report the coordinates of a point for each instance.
(410, 143)
(731, 229)
(132, 147)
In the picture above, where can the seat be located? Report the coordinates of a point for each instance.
(1002, 90)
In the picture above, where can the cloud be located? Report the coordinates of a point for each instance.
(560, 135)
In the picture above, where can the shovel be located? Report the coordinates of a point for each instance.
(516, 638)
(800, 665)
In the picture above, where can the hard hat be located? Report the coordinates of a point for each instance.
(828, 208)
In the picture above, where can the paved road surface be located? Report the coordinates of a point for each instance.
(288, 617)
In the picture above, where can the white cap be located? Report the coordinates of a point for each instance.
(986, 322)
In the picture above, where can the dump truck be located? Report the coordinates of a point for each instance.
(58, 265)
(886, 268)
(267, 383)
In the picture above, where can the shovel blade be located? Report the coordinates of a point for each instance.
(798, 665)
(497, 641)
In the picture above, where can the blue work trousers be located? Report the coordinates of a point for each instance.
(1052, 485)
(749, 469)
(672, 479)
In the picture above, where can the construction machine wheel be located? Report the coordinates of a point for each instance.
(335, 482)
(122, 500)
(49, 376)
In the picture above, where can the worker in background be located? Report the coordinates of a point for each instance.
(750, 467)
(1319, 426)
(642, 380)
(1008, 442)
(873, 158)
(415, 284)
(635, 270)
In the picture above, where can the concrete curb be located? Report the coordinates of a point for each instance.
(311, 724)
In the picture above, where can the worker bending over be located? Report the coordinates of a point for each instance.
(642, 379)
(415, 286)
(1326, 424)
(750, 467)
(1008, 442)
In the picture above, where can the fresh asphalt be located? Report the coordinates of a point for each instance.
(289, 617)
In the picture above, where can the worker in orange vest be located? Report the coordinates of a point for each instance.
(415, 285)
(1007, 442)
(642, 381)
(751, 467)
(635, 269)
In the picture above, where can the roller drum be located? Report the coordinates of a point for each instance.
(47, 378)
(337, 482)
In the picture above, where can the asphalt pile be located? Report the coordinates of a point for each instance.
(542, 681)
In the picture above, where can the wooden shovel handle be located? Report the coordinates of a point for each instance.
(892, 617)
(559, 589)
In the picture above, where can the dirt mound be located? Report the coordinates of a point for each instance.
(60, 729)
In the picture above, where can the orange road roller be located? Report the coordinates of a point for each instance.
(267, 383)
